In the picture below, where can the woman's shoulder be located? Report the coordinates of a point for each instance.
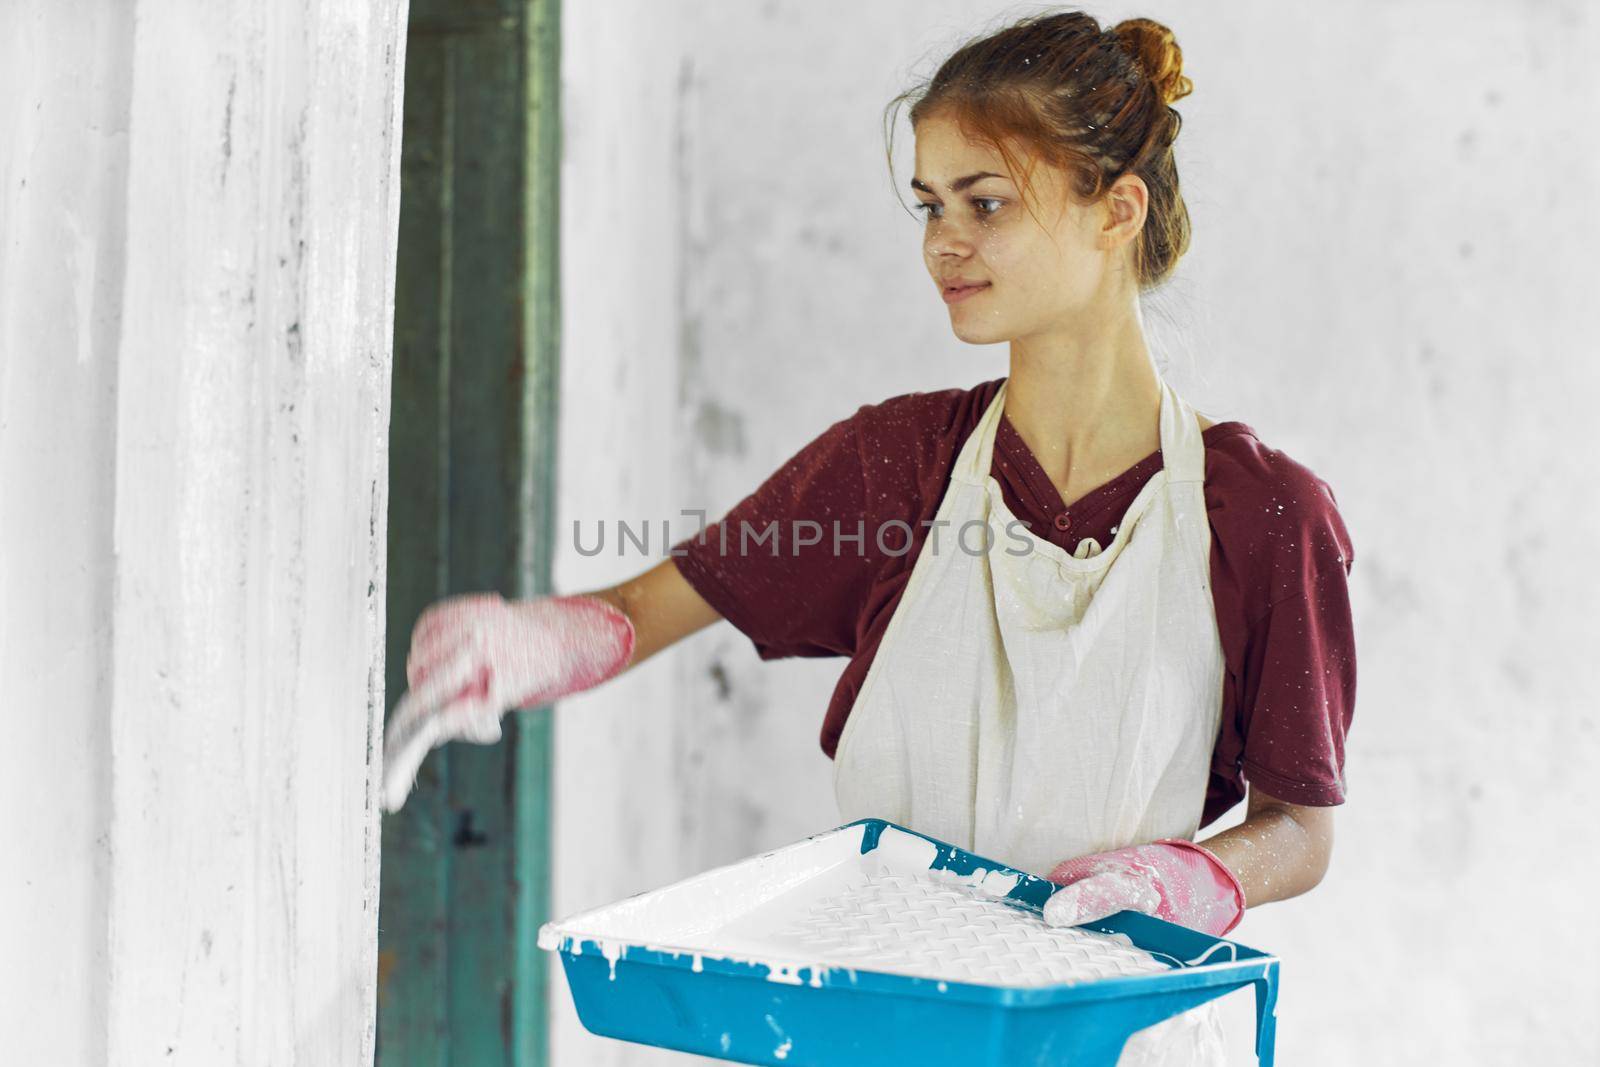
(1271, 512)
(909, 442)
(929, 413)
(922, 427)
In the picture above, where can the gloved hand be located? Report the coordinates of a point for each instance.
(474, 657)
(1171, 879)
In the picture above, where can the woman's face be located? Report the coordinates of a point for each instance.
(1044, 274)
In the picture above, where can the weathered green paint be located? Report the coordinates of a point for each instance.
(542, 333)
(466, 861)
(412, 949)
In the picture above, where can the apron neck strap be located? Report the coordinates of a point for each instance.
(1183, 450)
(977, 455)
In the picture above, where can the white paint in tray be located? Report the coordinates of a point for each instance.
(821, 904)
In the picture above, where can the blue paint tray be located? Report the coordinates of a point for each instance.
(870, 944)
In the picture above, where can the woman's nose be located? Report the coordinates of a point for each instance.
(947, 245)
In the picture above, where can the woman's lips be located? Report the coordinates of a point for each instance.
(952, 296)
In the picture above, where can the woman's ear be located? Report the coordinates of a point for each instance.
(1126, 204)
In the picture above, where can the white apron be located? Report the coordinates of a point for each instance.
(1032, 705)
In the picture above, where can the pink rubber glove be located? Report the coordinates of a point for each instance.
(1171, 879)
(477, 656)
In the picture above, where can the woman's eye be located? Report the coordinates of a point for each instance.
(983, 213)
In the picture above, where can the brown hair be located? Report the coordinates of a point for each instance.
(1094, 102)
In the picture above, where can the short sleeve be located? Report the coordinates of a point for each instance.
(785, 566)
(1298, 690)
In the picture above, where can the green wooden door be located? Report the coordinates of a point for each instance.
(465, 862)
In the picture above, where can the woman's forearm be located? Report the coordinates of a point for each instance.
(663, 607)
(1280, 850)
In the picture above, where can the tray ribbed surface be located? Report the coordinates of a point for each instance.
(919, 924)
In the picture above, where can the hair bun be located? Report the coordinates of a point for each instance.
(1158, 56)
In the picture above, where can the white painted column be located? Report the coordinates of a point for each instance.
(198, 216)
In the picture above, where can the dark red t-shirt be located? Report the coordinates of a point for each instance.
(1280, 563)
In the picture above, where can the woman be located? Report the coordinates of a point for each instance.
(1078, 614)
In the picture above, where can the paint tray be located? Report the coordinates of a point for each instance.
(870, 944)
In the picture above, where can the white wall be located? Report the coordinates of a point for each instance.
(63, 183)
(622, 820)
(198, 209)
(1394, 207)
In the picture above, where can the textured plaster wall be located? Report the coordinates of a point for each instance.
(198, 207)
(1394, 209)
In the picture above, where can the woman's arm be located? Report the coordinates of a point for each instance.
(1279, 851)
(474, 656)
(663, 607)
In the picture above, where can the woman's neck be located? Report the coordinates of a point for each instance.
(1087, 406)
